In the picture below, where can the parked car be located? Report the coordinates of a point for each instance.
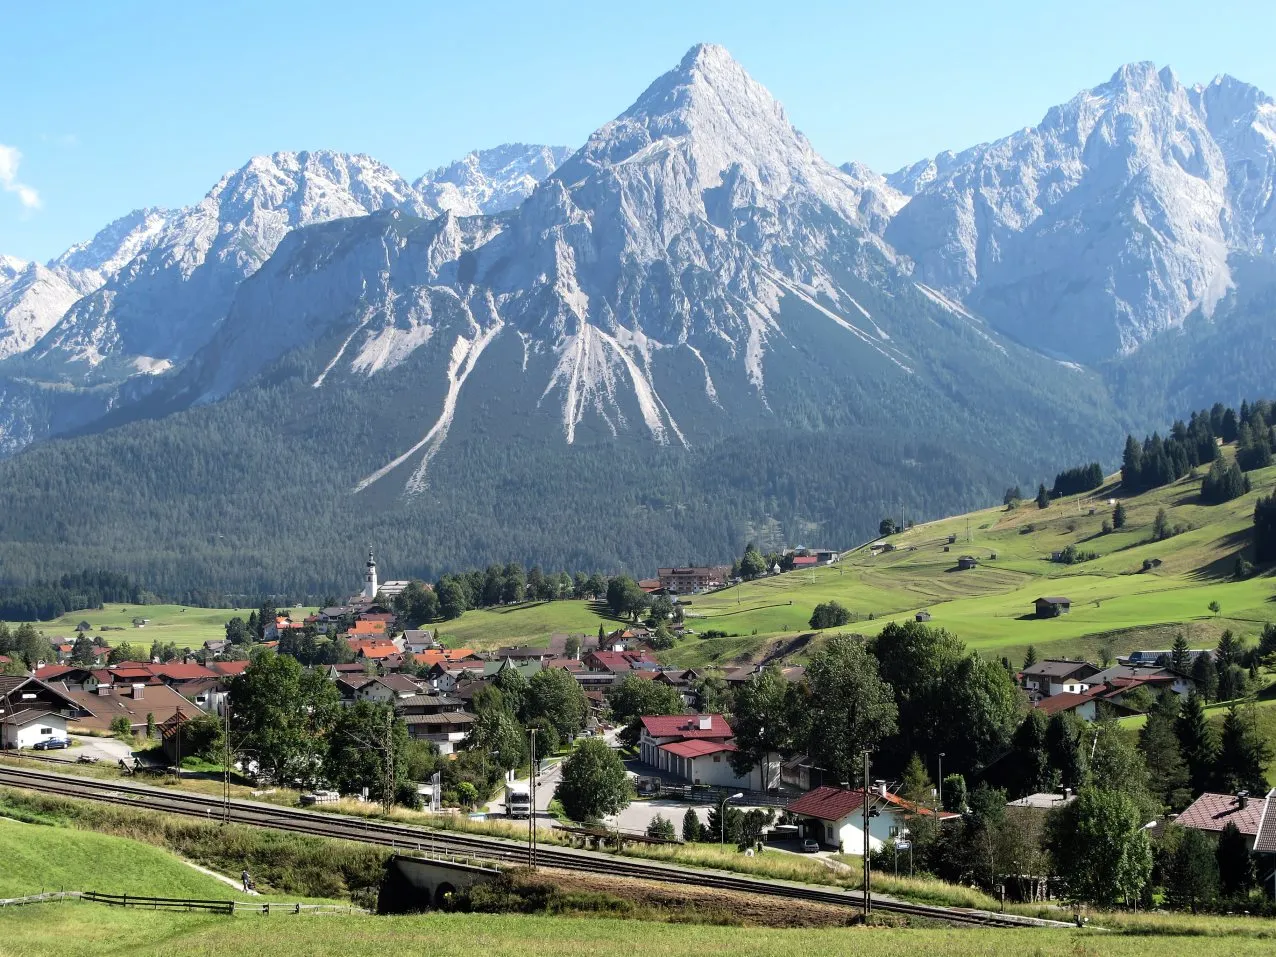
(810, 846)
(51, 744)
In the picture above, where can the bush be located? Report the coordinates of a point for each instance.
(830, 614)
(661, 827)
(121, 726)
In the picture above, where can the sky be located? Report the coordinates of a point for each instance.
(108, 107)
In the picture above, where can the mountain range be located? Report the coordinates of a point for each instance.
(691, 331)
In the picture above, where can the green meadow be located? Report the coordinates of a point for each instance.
(1117, 605)
(185, 626)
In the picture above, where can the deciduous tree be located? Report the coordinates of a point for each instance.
(594, 782)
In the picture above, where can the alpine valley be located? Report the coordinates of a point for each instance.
(691, 332)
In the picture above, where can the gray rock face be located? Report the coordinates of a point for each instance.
(1110, 222)
(486, 182)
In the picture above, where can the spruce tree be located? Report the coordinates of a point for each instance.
(1167, 772)
(1196, 743)
(1030, 657)
(1205, 677)
(1118, 516)
(691, 826)
(1180, 655)
(1043, 497)
(1235, 863)
(1192, 874)
(1243, 754)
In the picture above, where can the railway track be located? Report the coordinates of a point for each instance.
(489, 849)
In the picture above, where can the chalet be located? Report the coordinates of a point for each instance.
(73, 677)
(1099, 701)
(693, 578)
(523, 654)
(1153, 675)
(805, 561)
(1212, 812)
(32, 711)
(619, 662)
(1052, 607)
(227, 669)
(835, 817)
(385, 689)
(135, 702)
(966, 562)
(1057, 676)
(419, 640)
(650, 586)
(216, 646)
(446, 730)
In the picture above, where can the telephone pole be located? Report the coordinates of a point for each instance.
(868, 894)
(531, 811)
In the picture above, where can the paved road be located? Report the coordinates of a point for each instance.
(108, 750)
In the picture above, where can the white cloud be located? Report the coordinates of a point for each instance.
(9, 160)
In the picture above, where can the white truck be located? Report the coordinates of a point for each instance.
(518, 800)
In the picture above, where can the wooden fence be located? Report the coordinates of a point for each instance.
(181, 904)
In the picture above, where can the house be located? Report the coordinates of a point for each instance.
(393, 589)
(703, 762)
(966, 562)
(136, 702)
(1057, 676)
(1052, 607)
(419, 641)
(73, 677)
(216, 646)
(523, 654)
(1212, 812)
(446, 730)
(227, 669)
(805, 561)
(650, 585)
(1125, 675)
(693, 578)
(835, 817)
(666, 729)
(619, 662)
(32, 711)
(922, 616)
(1090, 705)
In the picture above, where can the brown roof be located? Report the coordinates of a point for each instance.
(159, 700)
(1213, 812)
(450, 717)
(832, 804)
(1265, 843)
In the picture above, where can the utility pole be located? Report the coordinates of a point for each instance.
(941, 780)
(868, 894)
(531, 811)
(225, 758)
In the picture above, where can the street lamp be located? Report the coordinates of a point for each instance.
(722, 815)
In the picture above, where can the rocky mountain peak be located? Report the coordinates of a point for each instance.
(490, 181)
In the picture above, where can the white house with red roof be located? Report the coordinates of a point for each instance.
(697, 748)
(835, 817)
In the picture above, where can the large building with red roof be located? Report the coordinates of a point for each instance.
(697, 748)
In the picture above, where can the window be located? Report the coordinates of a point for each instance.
(717, 759)
(828, 832)
(894, 832)
(46, 730)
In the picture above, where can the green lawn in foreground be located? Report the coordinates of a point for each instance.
(85, 929)
(184, 625)
(39, 858)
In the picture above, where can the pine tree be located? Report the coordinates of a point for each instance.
(1196, 742)
(1192, 875)
(1030, 657)
(1243, 754)
(1180, 655)
(916, 783)
(691, 826)
(1167, 772)
(1131, 466)
(1118, 516)
(1205, 677)
(1043, 497)
(1235, 863)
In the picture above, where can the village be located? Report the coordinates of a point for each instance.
(693, 742)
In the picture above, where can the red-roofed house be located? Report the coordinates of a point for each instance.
(835, 817)
(619, 662)
(703, 762)
(664, 742)
(228, 669)
(805, 561)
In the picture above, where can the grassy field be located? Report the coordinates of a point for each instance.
(1117, 606)
(63, 931)
(40, 858)
(185, 626)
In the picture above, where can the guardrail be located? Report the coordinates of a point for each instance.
(39, 898)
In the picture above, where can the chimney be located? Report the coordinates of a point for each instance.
(104, 690)
(1067, 793)
(138, 691)
(706, 722)
(1243, 798)
(880, 787)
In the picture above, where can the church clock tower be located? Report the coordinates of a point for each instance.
(370, 577)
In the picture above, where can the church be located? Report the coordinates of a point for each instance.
(372, 590)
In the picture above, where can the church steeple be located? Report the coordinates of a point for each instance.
(370, 577)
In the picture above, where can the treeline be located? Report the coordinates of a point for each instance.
(497, 585)
(1083, 478)
(48, 600)
(1158, 461)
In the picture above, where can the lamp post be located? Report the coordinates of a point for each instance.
(722, 815)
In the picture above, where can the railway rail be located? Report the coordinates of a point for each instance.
(438, 842)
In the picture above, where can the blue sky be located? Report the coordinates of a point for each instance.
(117, 105)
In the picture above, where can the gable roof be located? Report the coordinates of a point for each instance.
(697, 749)
(833, 804)
(686, 726)
(1212, 812)
(1057, 600)
(1265, 843)
(1058, 668)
